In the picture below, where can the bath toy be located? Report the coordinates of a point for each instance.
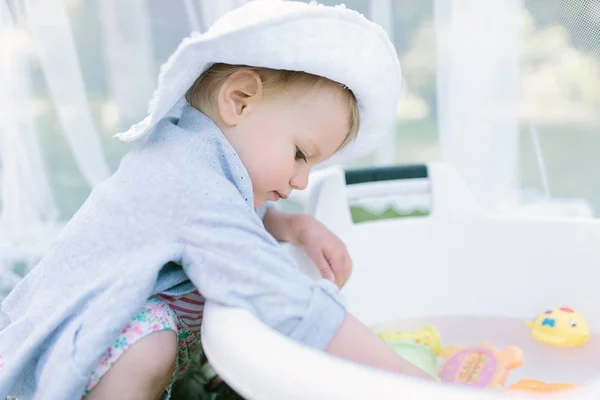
(561, 327)
(427, 336)
(531, 385)
(418, 354)
(481, 366)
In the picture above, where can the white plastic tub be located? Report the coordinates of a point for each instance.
(473, 275)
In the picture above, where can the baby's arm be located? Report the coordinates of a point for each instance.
(233, 261)
(283, 226)
(355, 342)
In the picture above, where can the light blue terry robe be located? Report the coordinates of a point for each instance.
(183, 197)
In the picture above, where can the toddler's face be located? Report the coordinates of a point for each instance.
(287, 134)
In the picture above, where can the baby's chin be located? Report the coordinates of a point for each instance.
(259, 202)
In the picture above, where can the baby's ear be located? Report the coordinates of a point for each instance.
(240, 91)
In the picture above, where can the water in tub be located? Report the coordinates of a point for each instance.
(577, 365)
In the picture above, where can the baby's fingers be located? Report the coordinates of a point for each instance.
(340, 264)
(325, 268)
(346, 271)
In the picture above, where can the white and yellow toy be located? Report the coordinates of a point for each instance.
(560, 327)
(427, 336)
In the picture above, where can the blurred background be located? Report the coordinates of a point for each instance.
(506, 91)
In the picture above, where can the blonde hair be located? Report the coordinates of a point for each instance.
(205, 88)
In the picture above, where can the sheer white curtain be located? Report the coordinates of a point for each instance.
(127, 48)
(380, 12)
(40, 31)
(27, 207)
(478, 47)
(51, 33)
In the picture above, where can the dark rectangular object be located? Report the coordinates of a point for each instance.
(388, 173)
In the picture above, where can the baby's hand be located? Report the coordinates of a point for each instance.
(326, 250)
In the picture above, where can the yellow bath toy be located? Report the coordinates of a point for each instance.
(427, 336)
(561, 327)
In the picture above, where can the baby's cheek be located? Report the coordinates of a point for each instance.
(278, 168)
(262, 177)
(272, 171)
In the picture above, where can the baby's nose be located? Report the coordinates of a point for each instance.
(299, 181)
